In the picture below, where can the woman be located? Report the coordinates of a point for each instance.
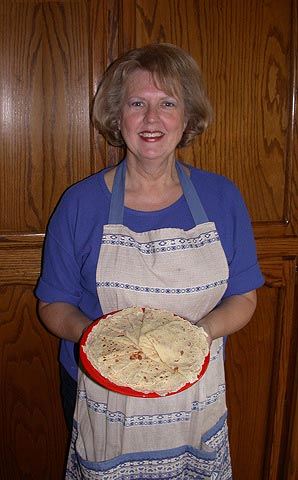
(151, 101)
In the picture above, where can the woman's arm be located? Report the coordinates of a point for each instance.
(231, 315)
(67, 321)
(63, 320)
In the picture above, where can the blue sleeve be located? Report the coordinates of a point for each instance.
(244, 270)
(60, 279)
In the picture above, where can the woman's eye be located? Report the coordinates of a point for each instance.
(169, 104)
(137, 103)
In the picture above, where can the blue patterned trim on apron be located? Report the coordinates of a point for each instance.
(160, 246)
(169, 418)
(182, 463)
(167, 291)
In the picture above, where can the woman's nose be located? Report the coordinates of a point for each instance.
(151, 114)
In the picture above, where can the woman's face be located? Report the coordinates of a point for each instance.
(151, 121)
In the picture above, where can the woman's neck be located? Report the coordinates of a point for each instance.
(157, 175)
(149, 186)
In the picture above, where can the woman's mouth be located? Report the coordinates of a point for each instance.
(151, 136)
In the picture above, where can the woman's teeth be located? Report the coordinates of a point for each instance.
(151, 134)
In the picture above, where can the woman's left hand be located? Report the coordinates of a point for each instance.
(231, 315)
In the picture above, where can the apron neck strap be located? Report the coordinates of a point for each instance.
(192, 198)
(117, 198)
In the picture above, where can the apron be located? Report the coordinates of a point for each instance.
(182, 436)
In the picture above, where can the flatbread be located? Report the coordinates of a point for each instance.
(180, 346)
(148, 350)
(141, 373)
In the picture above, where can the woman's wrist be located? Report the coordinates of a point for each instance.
(84, 330)
(207, 331)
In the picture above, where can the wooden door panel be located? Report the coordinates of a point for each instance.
(45, 117)
(260, 368)
(31, 414)
(105, 27)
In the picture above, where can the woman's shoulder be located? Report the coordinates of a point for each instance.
(85, 194)
(89, 186)
(213, 184)
(83, 201)
(219, 195)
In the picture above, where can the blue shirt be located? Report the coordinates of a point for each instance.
(75, 230)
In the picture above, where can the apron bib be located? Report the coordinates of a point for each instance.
(183, 436)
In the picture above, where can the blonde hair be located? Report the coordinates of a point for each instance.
(173, 70)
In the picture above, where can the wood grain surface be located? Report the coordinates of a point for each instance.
(35, 437)
(45, 93)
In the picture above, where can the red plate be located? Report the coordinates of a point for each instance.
(105, 382)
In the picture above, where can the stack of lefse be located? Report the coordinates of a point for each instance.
(147, 350)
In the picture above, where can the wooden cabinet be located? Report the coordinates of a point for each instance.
(53, 54)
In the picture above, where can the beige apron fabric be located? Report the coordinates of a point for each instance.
(126, 273)
(183, 436)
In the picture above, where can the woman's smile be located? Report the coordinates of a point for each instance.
(148, 136)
